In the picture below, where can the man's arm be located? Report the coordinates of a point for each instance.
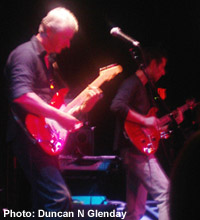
(120, 105)
(142, 120)
(35, 105)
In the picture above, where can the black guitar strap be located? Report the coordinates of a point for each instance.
(21, 124)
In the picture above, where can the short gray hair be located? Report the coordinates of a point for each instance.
(58, 19)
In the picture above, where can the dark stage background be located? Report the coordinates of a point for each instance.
(173, 24)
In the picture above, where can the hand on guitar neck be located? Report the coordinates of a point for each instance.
(178, 116)
(161, 123)
(94, 94)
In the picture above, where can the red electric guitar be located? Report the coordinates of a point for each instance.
(147, 139)
(50, 136)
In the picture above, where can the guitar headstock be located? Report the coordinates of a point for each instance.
(109, 72)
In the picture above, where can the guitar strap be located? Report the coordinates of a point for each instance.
(21, 124)
(151, 95)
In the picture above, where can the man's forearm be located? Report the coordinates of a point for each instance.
(135, 117)
(35, 105)
(142, 120)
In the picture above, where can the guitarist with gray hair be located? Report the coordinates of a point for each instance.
(32, 82)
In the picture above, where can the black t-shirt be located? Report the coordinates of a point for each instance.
(131, 95)
(25, 72)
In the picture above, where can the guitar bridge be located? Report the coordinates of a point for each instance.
(149, 148)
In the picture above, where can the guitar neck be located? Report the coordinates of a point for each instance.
(82, 96)
(106, 74)
(167, 118)
(184, 108)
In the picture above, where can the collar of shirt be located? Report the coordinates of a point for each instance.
(38, 47)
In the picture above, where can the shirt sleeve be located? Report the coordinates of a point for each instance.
(20, 73)
(121, 102)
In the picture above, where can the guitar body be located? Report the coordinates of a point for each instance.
(51, 139)
(145, 139)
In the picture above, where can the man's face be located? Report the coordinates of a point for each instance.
(156, 71)
(60, 40)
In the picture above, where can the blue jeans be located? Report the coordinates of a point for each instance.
(49, 191)
(144, 175)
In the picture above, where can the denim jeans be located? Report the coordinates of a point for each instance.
(49, 190)
(144, 175)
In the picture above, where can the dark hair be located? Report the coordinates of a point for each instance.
(150, 53)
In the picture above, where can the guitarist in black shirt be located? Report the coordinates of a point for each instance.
(31, 83)
(132, 104)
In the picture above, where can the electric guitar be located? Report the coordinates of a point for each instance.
(147, 139)
(52, 137)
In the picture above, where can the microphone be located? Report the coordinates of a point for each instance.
(116, 32)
